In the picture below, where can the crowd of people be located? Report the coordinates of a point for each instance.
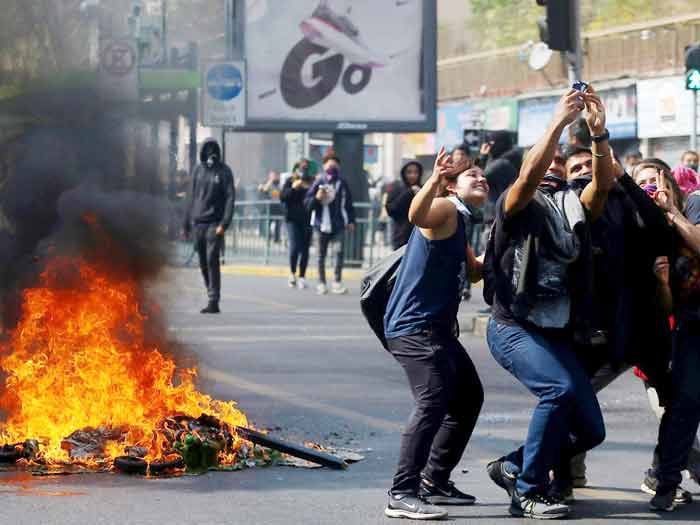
(583, 250)
(591, 268)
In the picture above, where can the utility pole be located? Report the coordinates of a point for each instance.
(575, 56)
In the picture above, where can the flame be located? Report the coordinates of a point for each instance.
(83, 355)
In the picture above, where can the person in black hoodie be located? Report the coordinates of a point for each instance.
(298, 221)
(210, 211)
(399, 201)
(500, 162)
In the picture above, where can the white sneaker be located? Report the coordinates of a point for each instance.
(321, 289)
(301, 284)
(292, 281)
(338, 289)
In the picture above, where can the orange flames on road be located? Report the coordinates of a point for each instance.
(85, 354)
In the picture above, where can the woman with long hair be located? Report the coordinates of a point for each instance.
(679, 294)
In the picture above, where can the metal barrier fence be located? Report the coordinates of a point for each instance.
(258, 234)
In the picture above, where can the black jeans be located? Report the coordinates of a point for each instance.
(299, 235)
(679, 424)
(208, 246)
(448, 396)
(324, 239)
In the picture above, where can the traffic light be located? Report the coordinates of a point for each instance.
(692, 67)
(556, 29)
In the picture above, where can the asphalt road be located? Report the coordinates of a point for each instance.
(308, 368)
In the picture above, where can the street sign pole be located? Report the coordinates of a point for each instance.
(694, 122)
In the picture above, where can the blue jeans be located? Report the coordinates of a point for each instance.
(679, 424)
(567, 419)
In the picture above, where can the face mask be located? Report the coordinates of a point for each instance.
(579, 183)
(211, 161)
(692, 166)
(332, 172)
(552, 183)
(651, 189)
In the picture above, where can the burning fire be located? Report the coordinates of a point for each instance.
(84, 355)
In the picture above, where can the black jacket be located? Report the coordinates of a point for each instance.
(627, 238)
(293, 200)
(398, 203)
(212, 194)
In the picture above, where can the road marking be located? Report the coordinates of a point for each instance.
(292, 399)
(244, 339)
(247, 298)
(235, 328)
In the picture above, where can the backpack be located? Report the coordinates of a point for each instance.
(376, 287)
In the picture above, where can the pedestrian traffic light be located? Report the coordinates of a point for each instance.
(692, 67)
(557, 27)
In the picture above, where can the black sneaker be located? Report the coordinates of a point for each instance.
(443, 495)
(500, 476)
(537, 506)
(663, 501)
(413, 508)
(212, 308)
(683, 497)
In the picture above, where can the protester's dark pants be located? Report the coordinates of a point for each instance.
(324, 239)
(679, 424)
(208, 246)
(448, 396)
(567, 419)
(299, 235)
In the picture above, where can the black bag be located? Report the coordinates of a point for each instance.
(376, 288)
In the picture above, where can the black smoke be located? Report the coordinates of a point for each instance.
(80, 186)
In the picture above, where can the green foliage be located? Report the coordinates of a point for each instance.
(502, 23)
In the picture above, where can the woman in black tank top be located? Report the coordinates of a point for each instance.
(419, 326)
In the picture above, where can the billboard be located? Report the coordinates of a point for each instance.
(326, 65)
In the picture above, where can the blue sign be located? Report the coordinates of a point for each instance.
(224, 82)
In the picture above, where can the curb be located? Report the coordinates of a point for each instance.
(474, 325)
(351, 274)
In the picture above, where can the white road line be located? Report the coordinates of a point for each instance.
(227, 378)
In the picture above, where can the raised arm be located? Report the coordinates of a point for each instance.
(425, 212)
(687, 227)
(539, 158)
(595, 195)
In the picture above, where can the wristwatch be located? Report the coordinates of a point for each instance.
(601, 138)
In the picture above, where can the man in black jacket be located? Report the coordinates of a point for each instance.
(210, 211)
(627, 239)
(399, 201)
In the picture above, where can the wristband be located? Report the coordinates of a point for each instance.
(601, 138)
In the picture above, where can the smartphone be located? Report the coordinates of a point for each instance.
(580, 85)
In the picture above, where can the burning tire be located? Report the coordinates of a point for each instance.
(160, 467)
(133, 465)
(9, 454)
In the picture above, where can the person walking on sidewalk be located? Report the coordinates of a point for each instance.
(332, 212)
(298, 227)
(210, 212)
(420, 326)
(399, 201)
(538, 267)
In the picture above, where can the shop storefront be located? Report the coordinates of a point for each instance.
(535, 114)
(665, 117)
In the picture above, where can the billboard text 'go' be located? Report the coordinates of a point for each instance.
(326, 73)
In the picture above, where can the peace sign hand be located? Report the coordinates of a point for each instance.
(663, 195)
